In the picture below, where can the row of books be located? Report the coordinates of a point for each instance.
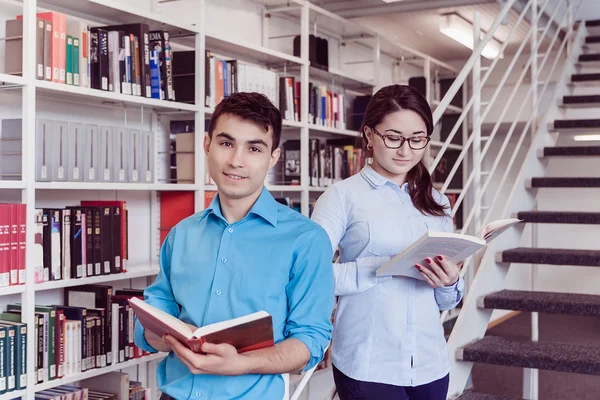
(80, 241)
(325, 107)
(76, 152)
(128, 59)
(224, 77)
(330, 161)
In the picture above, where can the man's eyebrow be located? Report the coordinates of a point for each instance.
(399, 132)
(251, 142)
(226, 136)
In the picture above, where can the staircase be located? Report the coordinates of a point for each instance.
(487, 292)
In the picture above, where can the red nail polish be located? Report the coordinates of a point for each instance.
(428, 260)
(440, 258)
(418, 267)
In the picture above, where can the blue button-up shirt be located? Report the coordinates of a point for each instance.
(386, 330)
(274, 259)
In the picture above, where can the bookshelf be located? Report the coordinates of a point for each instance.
(45, 99)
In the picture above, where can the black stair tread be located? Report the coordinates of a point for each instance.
(589, 57)
(577, 123)
(482, 396)
(528, 255)
(593, 22)
(548, 302)
(585, 77)
(554, 356)
(592, 39)
(560, 217)
(581, 182)
(572, 151)
(581, 99)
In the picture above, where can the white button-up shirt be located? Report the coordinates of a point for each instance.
(386, 329)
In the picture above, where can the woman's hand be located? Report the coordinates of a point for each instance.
(439, 272)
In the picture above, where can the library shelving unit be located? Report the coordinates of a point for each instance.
(154, 112)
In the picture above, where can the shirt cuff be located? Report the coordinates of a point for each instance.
(367, 268)
(452, 292)
(317, 352)
(140, 338)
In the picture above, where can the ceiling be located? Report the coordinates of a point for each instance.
(419, 29)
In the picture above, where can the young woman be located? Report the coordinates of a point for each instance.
(388, 341)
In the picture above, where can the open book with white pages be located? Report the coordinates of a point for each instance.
(455, 247)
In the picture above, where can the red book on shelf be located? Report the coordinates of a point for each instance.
(174, 206)
(14, 244)
(22, 242)
(5, 244)
(250, 332)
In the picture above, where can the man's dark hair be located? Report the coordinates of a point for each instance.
(253, 107)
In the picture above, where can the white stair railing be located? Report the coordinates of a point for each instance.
(475, 188)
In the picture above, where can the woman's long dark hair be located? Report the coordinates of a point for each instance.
(394, 98)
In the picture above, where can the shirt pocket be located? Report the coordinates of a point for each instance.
(388, 237)
(261, 289)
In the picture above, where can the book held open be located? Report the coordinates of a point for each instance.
(249, 332)
(454, 246)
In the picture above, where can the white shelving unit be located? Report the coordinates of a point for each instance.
(196, 37)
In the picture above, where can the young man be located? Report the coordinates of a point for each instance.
(244, 253)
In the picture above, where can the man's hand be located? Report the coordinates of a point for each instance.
(157, 342)
(220, 359)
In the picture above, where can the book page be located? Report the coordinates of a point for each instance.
(219, 326)
(158, 321)
(496, 228)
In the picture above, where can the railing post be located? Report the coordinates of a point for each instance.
(531, 376)
(477, 124)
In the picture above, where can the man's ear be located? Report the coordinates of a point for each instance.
(274, 157)
(206, 142)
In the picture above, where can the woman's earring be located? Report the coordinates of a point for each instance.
(369, 146)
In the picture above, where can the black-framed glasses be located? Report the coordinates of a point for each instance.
(396, 141)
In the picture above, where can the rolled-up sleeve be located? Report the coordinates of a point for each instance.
(310, 296)
(159, 294)
(448, 297)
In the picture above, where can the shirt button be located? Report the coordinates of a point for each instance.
(218, 292)
(198, 394)
(230, 230)
(223, 260)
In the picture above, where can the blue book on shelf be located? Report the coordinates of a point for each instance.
(225, 79)
(154, 74)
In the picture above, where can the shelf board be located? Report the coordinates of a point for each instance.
(162, 187)
(15, 394)
(132, 273)
(12, 185)
(11, 80)
(77, 92)
(340, 78)
(337, 131)
(117, 12)
(318, 189)
(15, 289)
(248, 51)
(96, 372)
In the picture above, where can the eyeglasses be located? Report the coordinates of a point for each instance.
(397, 141)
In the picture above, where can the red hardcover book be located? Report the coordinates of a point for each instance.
(14, 244)
(5, 244)
(22, 242)
(249, 332)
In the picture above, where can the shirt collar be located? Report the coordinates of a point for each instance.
(264, 207)
(376, 180)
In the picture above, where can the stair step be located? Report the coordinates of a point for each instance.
(547, 302)
(553, 356)
(572, 151)
(589, 57)
(565, 182)
(590, 23)
(482, 396)
(589, 123)
(592, 39)
(560, 217)
(528, 255)
(585, 78)
(587, 100)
